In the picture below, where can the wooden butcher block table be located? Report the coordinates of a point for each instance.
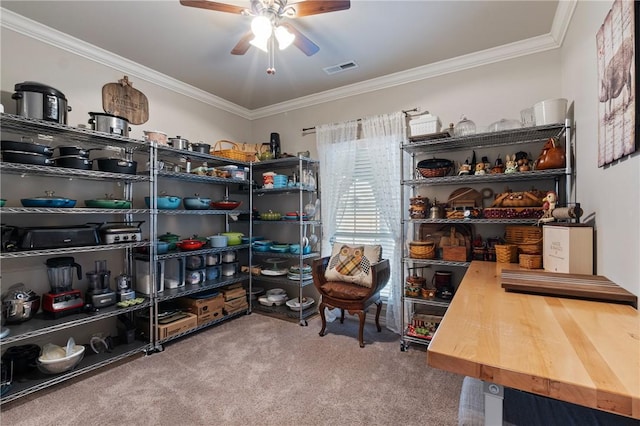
(579, 351)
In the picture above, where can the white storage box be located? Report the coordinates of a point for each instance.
(567, 248)
(425, 124)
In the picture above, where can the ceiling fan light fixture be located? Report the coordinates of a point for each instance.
(261, 43)
(261, 27)
(284, 37)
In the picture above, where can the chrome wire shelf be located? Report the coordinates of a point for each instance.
(205, 325)
(49, 130)
(283, 163)
(65, 172)
(498, 177)
(169, 152)
(187, 290)
(430, 302)
(269, 254)
(282, 280)
(438, 262)
(192, 177)
(528, 221)
(68, 250)
(200, 212)
(75, 210)
(178, 254)
(424, 145)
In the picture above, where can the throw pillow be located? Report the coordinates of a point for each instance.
(352, 263)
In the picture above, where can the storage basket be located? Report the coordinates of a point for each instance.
(435, 172)
(425, 124)
(506, 253)
(530, 261)
(422, 249)
(232, 150)
(518, 234)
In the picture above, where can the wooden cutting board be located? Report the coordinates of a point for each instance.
(123, 100)
(591, 287)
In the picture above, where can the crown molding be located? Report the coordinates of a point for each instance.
(37, 31)
(552, 40)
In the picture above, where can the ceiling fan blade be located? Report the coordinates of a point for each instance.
(315, 7)
(243, 45)
(301, 41)
(212, 5)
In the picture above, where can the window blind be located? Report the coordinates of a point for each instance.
(358, 218)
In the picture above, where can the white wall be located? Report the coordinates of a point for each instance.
(484, 94)
(611, 196)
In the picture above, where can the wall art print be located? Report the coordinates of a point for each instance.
(616, 42)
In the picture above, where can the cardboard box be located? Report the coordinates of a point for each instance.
(201, 306)
(209, 316)
(233, 292)
(236, 305)
(567, 248)
(180, 326)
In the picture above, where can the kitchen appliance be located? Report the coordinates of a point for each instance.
(99, 294)
(124, 288)
(109, 123)
(120, 232)
(442, 283)
(47, 237)
(274, 145)
(36, 100)
(19, 304)
(63, 299)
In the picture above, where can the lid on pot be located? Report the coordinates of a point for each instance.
(34, 86)
(108, 115)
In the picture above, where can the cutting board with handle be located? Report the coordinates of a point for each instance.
(123, 100)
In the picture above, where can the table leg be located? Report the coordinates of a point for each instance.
(493, 397)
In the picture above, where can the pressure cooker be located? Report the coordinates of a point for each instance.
(36, 100)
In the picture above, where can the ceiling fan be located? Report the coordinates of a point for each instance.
(275, 13)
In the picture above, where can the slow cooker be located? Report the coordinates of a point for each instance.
(36, 100)
(109, 123)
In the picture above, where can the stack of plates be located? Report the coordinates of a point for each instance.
(280, 181)
(296, 274)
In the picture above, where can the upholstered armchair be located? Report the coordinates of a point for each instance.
(353, 297)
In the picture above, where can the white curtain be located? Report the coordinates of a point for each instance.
(384, 135)
(336, 144)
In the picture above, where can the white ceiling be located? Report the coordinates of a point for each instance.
(383, 37)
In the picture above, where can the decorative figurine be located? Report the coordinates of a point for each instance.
(480, 169)
(522, 159)
(512, 166)
(498, 166)
(465, 168)
(548, 207)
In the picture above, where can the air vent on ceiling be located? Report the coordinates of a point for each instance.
(340, 67)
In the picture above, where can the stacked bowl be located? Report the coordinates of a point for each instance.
(280, 181)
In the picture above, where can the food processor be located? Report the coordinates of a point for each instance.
(99, 294)
(124, 288)
(62, 299)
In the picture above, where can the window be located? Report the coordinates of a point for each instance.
(358, 220)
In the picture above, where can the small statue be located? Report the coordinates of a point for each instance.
(480, 169)
(522, 159)
(465, 168)
(498, 167)
(512, 166)
(549, 205)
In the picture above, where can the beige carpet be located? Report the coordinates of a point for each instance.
(256, 370)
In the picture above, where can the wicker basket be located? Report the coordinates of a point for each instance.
(517, 234)
(530, 261)
(435, 172)
(506, 253)
(234, 152)
(533, 248)
(422, 249)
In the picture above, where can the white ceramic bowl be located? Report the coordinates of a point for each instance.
(60, 365)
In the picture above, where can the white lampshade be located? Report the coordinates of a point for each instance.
(260, 43)
(261, 27)
(284, 37)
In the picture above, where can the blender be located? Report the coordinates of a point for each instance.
(99, 294)
(62, 299)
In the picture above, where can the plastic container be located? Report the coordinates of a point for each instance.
(550, 111)
(425, 124)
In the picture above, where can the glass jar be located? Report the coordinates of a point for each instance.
(465, 127)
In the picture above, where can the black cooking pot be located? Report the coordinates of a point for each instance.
(27, 158)
(36, 100)
(201, 147)
(27, 146)
(74, 162)
(66, 151)
(117, 165)
(23, 358)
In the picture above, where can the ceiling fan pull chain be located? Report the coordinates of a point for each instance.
(271, 70)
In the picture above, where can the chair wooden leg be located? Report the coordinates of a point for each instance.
(378, 309)
(362, 315)
(324, 320)
(341, 316)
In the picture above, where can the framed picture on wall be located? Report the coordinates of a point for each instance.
(617, 41)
